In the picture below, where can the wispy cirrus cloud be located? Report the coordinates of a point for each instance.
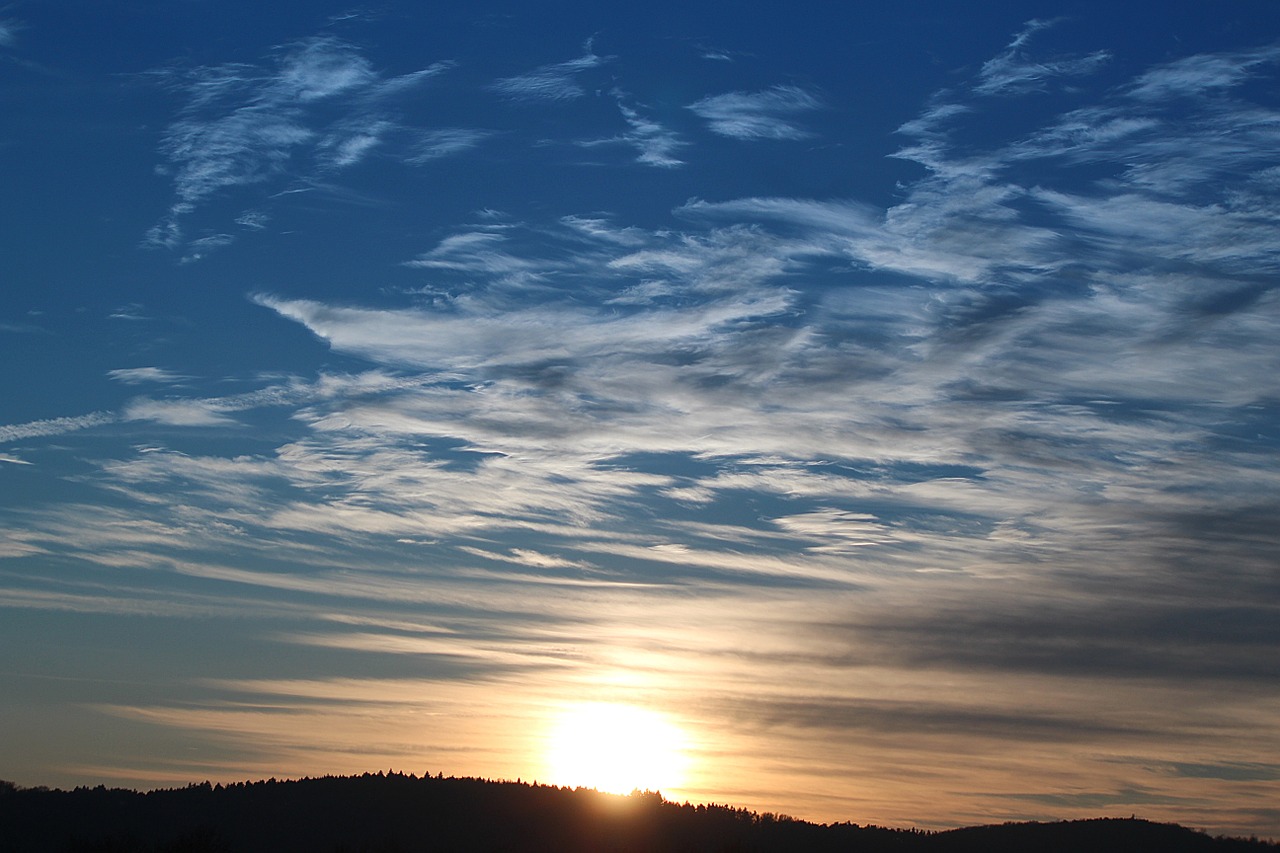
(475, 336)
(945, 344)
(554, 82)
(655, 144)
(254, 220)
(482, 250)
(1202, 74)
(244, 125)
(140, 375)
(1015, 72)
(351, 142)
(55, 426)
(768, 114)
(1031, 368)
(436, 144)
(185, 413)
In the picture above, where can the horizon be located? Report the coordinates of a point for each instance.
(868, 415)
(635, 794)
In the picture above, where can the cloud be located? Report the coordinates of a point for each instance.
(471, 338)
(868, 716)
(319, 106)
(435, 144)
(320, 68)
(836, 530)
(1014, 73)
(139, 375)
(531, 558)
(598, 228)
(8, 30)
(246, 146)
(1230, 771)
(1200, 75)
(206, 411)
(478, 252)
(1101, 800)
(12, 460)
(556, 82)
(197, 249)
(185, 413)
(351, 142)
(757, 115)
(55, 426)
(655, 144)
(975, 382)
(254, 220)
(132, 312)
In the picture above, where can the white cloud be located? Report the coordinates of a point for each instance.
(139, 375)
(197, 249)
(757, 115)
(599, 228)
(1017, 323)
(529, 557)
(556, 82)
(478, 252)
(655, 144)
(319, 68)
(1014, 73)
(1200, 75)
(255, 220)
(474, 337)
(351, 142)
(245, 125)
(835, 530)
(246, 146)
(396, 85)
(185, 413)
(447, 142)
(55, 426)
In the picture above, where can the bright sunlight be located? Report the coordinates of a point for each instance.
(616, 748)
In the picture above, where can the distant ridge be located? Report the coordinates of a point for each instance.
(399, 813)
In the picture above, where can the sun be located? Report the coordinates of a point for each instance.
(616, 748)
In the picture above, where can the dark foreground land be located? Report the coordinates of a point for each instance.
(388, 813)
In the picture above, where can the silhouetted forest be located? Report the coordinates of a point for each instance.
(386, 813)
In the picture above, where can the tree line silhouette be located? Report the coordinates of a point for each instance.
(397, 813)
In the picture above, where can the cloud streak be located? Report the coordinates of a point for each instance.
(767, 114)
(1013, 72)
(555, 82)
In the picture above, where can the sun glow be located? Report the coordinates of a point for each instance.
(616, 748)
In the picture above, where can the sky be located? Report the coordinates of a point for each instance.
(871, 412)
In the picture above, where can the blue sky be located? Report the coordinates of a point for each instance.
(886, 398)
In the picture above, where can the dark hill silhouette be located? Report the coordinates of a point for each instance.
(386, 813)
